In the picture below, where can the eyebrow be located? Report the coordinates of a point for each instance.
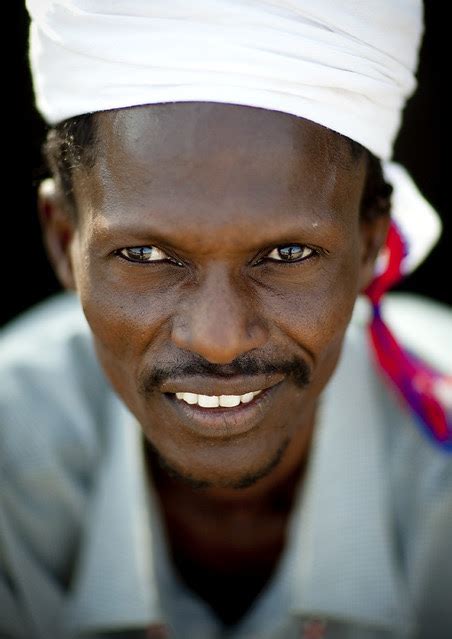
(136, 232)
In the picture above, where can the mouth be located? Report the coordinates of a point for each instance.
(216, 401)
(221, 416)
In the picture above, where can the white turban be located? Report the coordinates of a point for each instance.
(346, 64)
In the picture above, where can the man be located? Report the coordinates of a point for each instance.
(236, 466)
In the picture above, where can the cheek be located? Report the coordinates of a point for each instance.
(316, 315)
(125, 328)
(125, 324)
(125, 319)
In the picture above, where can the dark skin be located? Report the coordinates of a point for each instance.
(217, 190)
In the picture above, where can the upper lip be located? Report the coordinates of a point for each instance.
(238, 385)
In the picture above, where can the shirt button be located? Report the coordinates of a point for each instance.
(313, 629)
(157, 631)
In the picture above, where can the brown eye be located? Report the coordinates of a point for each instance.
(290, 253)
(143, 254)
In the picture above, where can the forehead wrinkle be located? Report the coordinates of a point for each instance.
(233, 185)
(110, 188)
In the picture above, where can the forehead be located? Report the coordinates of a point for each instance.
(196, 158)
(200, 131)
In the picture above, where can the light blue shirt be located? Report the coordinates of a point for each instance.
(82, 547)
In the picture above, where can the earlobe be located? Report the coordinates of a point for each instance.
(58, 229)
(374, 234)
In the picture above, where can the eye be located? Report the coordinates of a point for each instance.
(145, 254)
(291, 253)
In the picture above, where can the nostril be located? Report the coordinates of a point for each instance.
(218, 344)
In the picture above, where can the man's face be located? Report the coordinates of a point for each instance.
(218, 252)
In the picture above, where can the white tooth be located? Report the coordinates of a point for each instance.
(247, 397)
(256, 393)
(190, 398)
(208, 401)
(229, 401)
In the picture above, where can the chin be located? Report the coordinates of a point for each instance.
(212, 469)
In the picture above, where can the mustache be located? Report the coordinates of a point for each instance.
(246, 365)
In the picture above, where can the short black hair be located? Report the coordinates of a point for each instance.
(69, 145)
(72, 144)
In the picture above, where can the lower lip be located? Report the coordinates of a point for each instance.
(222, 423)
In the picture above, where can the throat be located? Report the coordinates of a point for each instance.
(231, 588)
(226, 557)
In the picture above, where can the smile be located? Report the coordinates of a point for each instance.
(221, 416)
(214, 401)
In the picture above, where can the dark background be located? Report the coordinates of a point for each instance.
(26, 275)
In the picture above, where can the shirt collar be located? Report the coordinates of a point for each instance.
(344, 564)
(115, 584)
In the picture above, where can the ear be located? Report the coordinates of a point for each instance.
(373, 237)
(58, 229)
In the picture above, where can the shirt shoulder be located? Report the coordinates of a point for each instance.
(54, 418)
(418, 472)
(53, 394)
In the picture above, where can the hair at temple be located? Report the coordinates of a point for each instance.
(73, 143)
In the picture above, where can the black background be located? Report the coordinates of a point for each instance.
(26, 274)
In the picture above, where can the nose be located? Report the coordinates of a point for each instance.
(219, 321)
